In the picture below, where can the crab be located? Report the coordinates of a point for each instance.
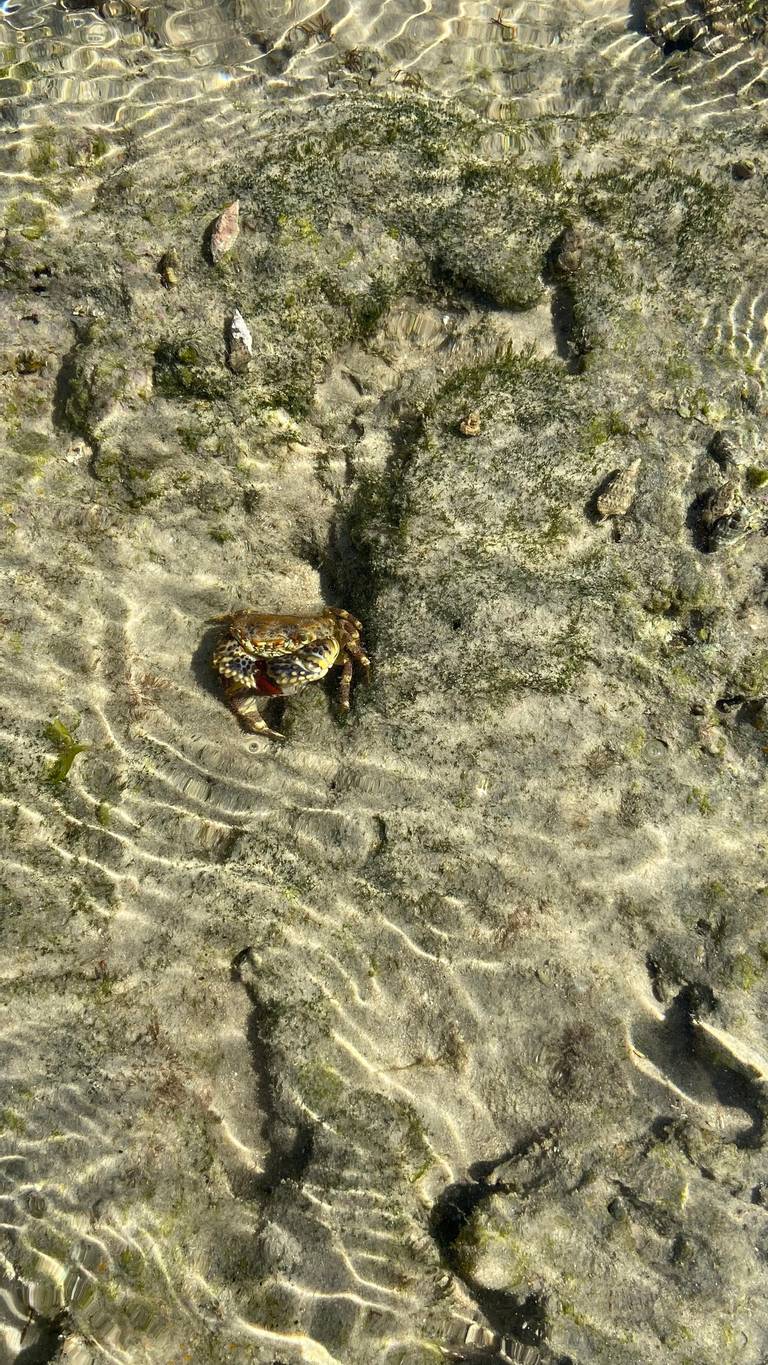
(261, 655)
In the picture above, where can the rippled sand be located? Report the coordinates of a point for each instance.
(440, 1031)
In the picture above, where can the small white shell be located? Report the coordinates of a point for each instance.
(239, 344)
(239, 334)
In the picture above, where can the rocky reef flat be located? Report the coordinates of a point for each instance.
(436, 1032)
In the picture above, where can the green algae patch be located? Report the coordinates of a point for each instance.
(28, 216)
(42, 157)
(180, 371)
(63, 739)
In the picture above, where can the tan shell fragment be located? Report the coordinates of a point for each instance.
(711, 739)
(722, 501)
(168, 268)
(226, 231)
(471, 424)
(569, 251)
(619, 493)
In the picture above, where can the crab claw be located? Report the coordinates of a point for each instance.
(262, 729)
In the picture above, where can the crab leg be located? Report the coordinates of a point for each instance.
(245, 705)
(346, 678)
(359, 656)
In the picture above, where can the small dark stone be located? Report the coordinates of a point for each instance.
(743, 170)
(36, 1204)
(723, 449)
(238, 359)
(760, 1194)
(754, 712)
(729, 703)
(618, 1210)
(682, 1250)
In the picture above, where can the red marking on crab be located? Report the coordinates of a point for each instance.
(266, 686)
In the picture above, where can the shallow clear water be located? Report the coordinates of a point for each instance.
(172, 1192)
(130, 67)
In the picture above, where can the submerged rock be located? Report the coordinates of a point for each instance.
(708, 26)
(454, 905)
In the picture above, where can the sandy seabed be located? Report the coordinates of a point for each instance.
(438, 1033)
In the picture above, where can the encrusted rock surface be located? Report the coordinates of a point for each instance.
(453, 1013)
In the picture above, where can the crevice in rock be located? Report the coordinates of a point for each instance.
(683, 1050)
(482, 1347)
(68, 415)
(48, 1334)
(290, 1140)
(523, 1320)
(366, 525)
(564, 327)
(695, 521)
(562, 257)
